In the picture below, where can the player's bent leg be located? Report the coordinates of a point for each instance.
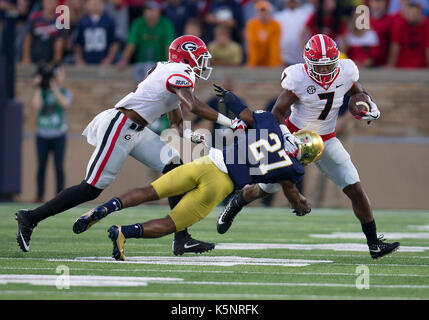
(335, 163)
(213, 187)
(183, 238)
(172, 183)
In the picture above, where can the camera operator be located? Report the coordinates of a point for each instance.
(50, 100)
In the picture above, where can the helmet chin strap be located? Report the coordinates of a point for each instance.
(299, 155)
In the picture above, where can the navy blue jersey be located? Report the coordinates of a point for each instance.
(95, 37)
(258, 155)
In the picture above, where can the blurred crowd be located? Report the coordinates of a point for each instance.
(237, 32)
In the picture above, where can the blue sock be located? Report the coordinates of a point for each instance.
(112, 205)
(133, 231)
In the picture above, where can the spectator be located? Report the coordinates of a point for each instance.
(410, 39)
(95, 41)
(362, 45)
(327, 20)
(224, 51)
(118, 11)
(149, 37)
(179, 12)
(77, 11)
(395, 6)
(227, 13)
(194, 27)
(19, 10)
(43, 41)
(50, 100)
(292, 21)
(381, 23)
(263, 38)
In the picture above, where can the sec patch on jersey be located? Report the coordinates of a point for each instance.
(358, 103)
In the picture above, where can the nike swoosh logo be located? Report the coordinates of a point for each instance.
(27, 248)
(190, 246)
(378, 250)
(339, 85)
(220, 221)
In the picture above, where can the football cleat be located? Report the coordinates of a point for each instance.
(228, 214)
(25, 229)
(85, 221)
(188, 244)
(118, 239)
(381, 248)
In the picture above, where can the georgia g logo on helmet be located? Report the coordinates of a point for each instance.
(189, 46)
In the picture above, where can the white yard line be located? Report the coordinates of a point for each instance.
(360, 235)
(328, 274)
(222, 296)
(126, 281)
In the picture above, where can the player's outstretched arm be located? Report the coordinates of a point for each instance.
(298, 202)
(193, 104)
(283, 103)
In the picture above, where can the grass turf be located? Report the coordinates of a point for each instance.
(403, 275)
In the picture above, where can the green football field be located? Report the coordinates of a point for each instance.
(267, 254)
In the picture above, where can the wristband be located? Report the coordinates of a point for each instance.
(284, 129)
(223, 120)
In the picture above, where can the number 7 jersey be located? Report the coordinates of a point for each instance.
(317, 107)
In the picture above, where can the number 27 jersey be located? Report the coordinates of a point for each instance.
(317, 107)
(258, 155)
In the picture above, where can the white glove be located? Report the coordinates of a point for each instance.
(291, 144)
(194, 136)
(372, 114)
(238, 124)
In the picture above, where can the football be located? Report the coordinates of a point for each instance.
(358, 102)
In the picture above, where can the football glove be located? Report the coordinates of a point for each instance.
(194, 136)
(291, 144)
(238, 124)
(230, 100)
(372, 114)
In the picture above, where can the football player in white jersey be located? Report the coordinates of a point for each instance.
(123, 130)
(314, 91)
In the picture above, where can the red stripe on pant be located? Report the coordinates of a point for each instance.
(109, 151)
(292, 128)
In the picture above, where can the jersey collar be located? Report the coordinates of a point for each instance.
(327, 85)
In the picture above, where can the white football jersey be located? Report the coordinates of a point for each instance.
(153, 98)
(317, 107)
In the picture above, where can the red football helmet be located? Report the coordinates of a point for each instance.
(193, 51)
(321, 57)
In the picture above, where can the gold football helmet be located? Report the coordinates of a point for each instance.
(310, 146)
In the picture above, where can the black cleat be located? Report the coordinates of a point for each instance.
(188, 244)
(25, 229)
(118, 239)
(85, 221)
(228, 214)
(381, 248)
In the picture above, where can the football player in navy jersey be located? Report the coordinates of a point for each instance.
(258, 156)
